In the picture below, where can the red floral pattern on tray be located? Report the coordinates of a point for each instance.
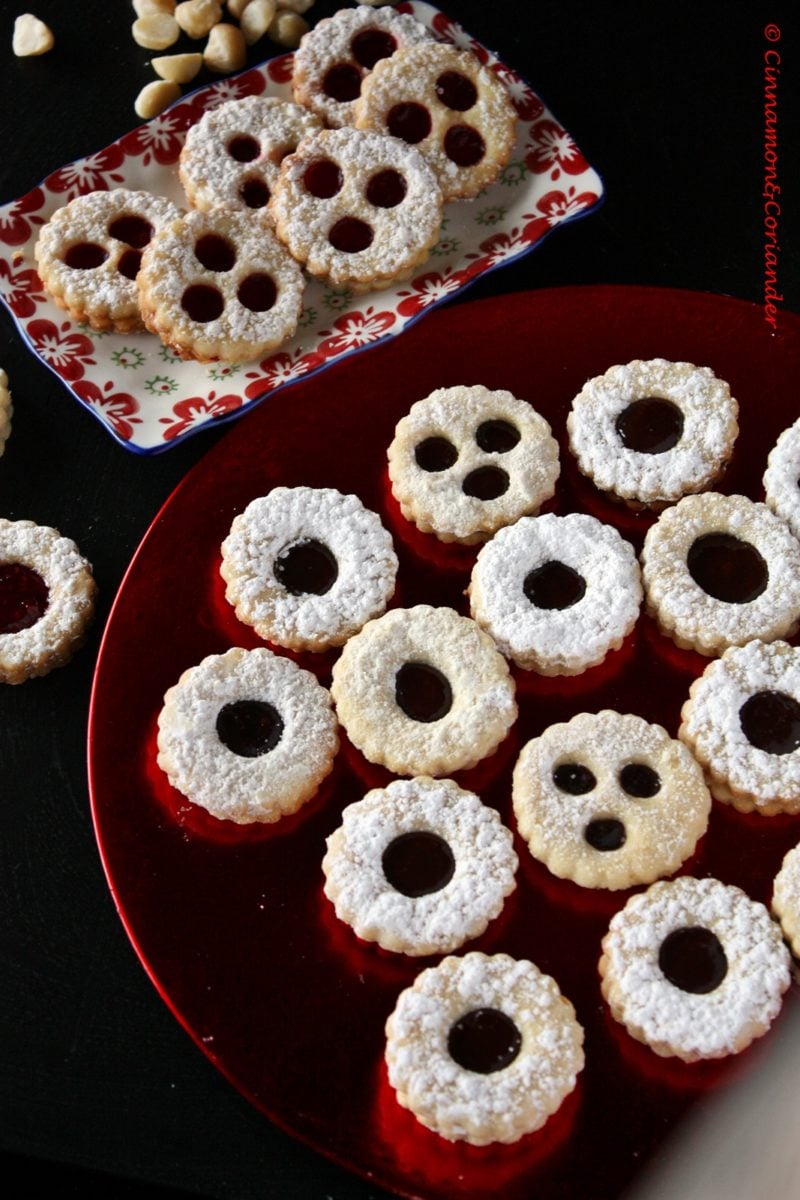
(146, 397)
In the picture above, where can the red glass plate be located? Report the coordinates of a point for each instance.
(232, 924)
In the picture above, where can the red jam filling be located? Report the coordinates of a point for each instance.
(422, 692)
(215, 253)
(485, 483)
(650, 425)
(418, 863)
(202, 303)
(727, 568)
(464, 146)
(497, 437)
(249, 728)
(639, 780)
(605, 833)
(371, 45)
(484, 1040)
(243, 148)
(129, 263)
(24, 597)
(693, 959)
(386, 189)
(257, 292)
(255, 193)
(342, 82)
(435, 454)
(456, 91)
(307, 567)
(84, 256)
(409, 121)
(134, 231)
(554, 585)
(323, 178)
(350, 235)
(771, 721)
(574, 779)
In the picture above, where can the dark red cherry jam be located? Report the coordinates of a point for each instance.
(422, 692)
(214, 252)
(484, 1040)
(202, 303)
(342, 82)
(497, 437)
(727, 568)
(133, 231)
(639, 780)
(255, 193)
(322, 178)
(84, 256)
(464, 146)
(574, 778)
(605, 833)
(371, 45)
(485, 483)
(386, 189)
(129, 263)
(409, 121)
(554, 585)
(771, 721)
(350, 235)
(418, 863)
(693, 959)
(306, 567)
(435, 454)
(456, 91)
(257, 292)
(24, 596)
(650, 425)
(243, 148)
(249, 728)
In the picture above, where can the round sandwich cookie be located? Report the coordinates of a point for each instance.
(786, 899)
(782, 478)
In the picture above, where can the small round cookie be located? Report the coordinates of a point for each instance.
(89, 253)
(6, 410)
(307, 567)
(556, 593)
(609, 800)
(694, 968)
(247, 735)
(786, 899)
(47, 594)
(219, 285)
(419, 867)
(782, 477)
(466, 460)
(719, 571)
(651, 432)
(483, 1048)
(742, 723)
(357, 209)
(454, 110)
(336, 55)
(232, 156)
(423, 691)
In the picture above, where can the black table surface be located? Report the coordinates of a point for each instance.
(101, 1091)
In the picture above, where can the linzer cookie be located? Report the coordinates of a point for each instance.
(742, 722)
(786, 899)
(6, 410)
(694, 968)
(232, 156)
(423, 691)
(556, 593)
(47, 594)
(454, 110)
(721, 570)
(219, 285)
(306, 567)
(651, 432)
(609, 800)
(89, 253)
(782, 478)
(419, 867)
(483, 1048)
(335, 57)
(357, 209)
(247, 735)
(466, 460)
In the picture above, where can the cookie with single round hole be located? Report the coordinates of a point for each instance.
(423, 691)
(47, 594)
(420, 867)
(89, 253)
(466, 461)
(455, 111)
(248, 735)
(307, 567)
(742, 723)
(358, 210)
(786, 899)
(219, 285)
(694, 968)
(609, 800)
(483, 1048)
(232, 156)
(782, 478)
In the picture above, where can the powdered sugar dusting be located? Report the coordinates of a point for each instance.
(786, 898)
(782, 477)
